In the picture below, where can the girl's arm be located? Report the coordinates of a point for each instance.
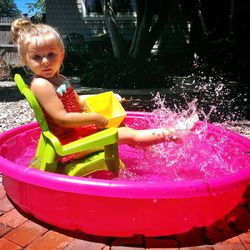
(47, 97)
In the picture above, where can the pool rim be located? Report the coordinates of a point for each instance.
(122, 189)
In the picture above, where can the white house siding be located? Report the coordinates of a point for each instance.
(64, 15)
(68, 17)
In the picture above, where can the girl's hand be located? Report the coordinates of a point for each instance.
(99, 120)
(119, 98)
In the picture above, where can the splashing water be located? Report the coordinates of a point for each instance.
(206, 152)
(219, 90)
(201, 155)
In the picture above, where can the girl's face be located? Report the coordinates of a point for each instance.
(44, 58)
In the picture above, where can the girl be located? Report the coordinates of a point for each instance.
(41, 48)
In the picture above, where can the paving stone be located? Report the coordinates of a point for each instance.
(8, 245)
(26, 233)
(87, 237)
(13, 218)
(5, 205)
(50, 240)
(205, 247)
(2, 192)
(233, 240)
(4, 229)
(84, 245)
(245, 239)
(229, 246)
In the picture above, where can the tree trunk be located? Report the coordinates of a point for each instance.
(149, 27)
(140, 9)
(158, 27)
(116, 42)
(137, 50)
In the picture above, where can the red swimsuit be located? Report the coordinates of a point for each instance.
(71, 104)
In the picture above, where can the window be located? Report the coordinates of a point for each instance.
(119, 6)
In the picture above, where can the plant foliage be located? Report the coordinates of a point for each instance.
(9, 9)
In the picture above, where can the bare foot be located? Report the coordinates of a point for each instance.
(187, 125)
(171, 135)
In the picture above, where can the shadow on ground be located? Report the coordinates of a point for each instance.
(10, 94)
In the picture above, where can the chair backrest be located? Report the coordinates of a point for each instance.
(25, 90)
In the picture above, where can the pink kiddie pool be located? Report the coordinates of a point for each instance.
(165, 189)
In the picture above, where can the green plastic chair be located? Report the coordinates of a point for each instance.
(49, 148)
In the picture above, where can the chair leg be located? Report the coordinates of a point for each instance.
(49, 159)
(112, 158)
(37, 160)
(85, 166)
(40, 147)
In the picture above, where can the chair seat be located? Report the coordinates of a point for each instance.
(85, 166)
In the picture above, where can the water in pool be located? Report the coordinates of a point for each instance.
(202, 154)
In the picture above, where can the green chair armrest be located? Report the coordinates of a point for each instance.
(100, 139)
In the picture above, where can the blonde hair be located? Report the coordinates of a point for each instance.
(23, 31)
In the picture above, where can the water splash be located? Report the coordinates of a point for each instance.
(219, 90)
(201, 155)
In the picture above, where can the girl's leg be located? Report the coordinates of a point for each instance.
(134, 137)
(146, 137)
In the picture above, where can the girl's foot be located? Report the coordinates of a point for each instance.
(183, 127)
(171, 135)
